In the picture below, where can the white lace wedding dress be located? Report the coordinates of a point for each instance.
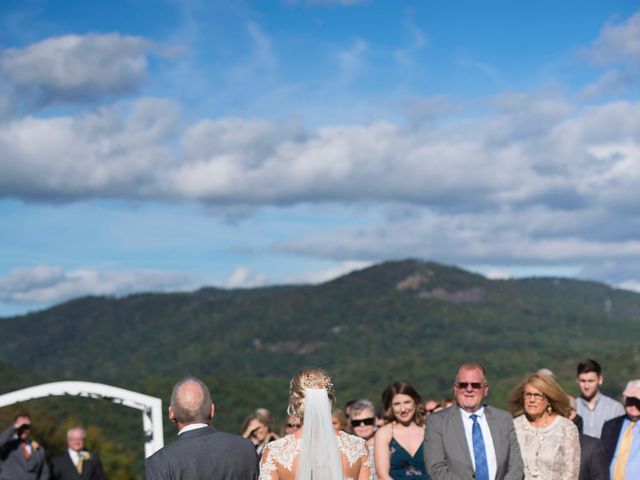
(280, 458)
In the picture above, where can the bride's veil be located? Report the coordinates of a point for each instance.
(319, 455)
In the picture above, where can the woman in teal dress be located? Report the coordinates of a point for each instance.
(399, 445)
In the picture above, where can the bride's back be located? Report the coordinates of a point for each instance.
(315, 450)
(280, 458)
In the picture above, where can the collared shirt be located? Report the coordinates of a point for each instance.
(606, 408)
(633, 464)
(192, 426)
(74, 456)
(490, 450)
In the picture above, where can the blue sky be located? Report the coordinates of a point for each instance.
(167, 145)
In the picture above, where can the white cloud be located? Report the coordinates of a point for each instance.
(419, 39)
(499, 275)
(331, 273)
(108, 153)
(617, 42)
(352, 60)
(534, 236)
(242, 277)
(618, 48)
(264, 55)
(77, 67)
(48, 285)
(528, 152)
(633, 285)
(612, 82)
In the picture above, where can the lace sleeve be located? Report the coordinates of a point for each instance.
(356, 453)
(572, 462)
(366, 465)
(268, 468)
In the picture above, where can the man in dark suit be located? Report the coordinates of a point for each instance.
(470, 439)
(593, 459)
(76, 463)
(21, 457)
(621, 437)
(594, 464)
(200, 452)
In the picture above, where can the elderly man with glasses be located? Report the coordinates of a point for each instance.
(471, 439)
(621, 437)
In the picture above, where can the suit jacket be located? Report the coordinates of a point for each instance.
(610, 434)
(593, 459)
(62, 468)
(447, 452)
(204, 453)
(14, 464)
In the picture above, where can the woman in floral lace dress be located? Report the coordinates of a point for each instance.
(548, 441)
(315, 450)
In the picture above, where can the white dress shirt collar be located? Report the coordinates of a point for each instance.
(74, 456)
(192, 426)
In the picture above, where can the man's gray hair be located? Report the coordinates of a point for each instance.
(361, 405)
(77, 429)
(194, 409)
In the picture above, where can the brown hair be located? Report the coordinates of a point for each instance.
(339, 414)
(556, 397)
(262, 415)
(402, 388)
(307, 378)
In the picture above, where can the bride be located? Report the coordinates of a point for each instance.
(314, 451)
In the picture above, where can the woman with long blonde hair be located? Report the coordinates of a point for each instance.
(315, 451)
(549, 441)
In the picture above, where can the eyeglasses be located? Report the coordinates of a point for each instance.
(538, 397)
(363, 421)
(294, 425)
(474, 385)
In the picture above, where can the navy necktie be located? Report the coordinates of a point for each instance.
(479, 452)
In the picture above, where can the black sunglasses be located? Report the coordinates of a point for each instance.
(294, 425)
(363, 421)
(632, 402)
(474, 385)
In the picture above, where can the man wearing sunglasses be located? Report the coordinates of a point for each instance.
(621, 437)
(363, 423)
(471, 439)
(22, 457)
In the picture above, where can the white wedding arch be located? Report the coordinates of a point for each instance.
(151, 406)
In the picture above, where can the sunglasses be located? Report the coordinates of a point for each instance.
(363, 421)
(632, 402)
(294, 425)
(474, 385)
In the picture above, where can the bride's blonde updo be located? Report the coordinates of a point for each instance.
(307, 378)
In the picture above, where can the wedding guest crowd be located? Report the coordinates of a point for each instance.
(547, 435)
(23, 458)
